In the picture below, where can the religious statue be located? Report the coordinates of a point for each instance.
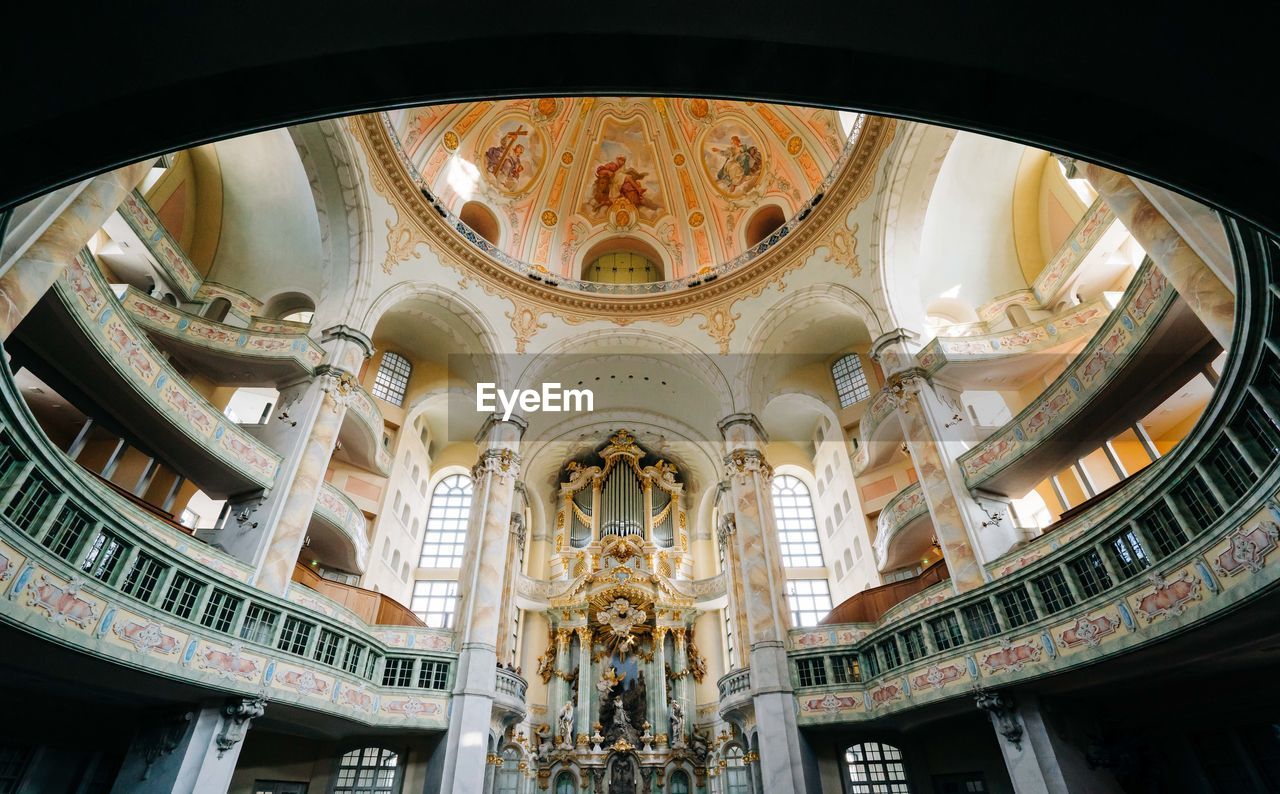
(608, 680)
(565, 723)
(677, 722)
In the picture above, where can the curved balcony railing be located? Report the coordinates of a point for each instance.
(365, 444)
(510, 691)
(83, 567)
(1119, 340)
(1191, 537)
(246, 345)
(1076, 323)
(1057, 275)
(871, 443)
(178, 268)
(113, 333)
(336, 509)
(904, 508)
(241, 304)
(735, 689)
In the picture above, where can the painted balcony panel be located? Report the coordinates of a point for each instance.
(1149, 347)
(242, 306)
(903, 529)
(362, 431)
(1060, 274)
(138, 386)
(879, 434)
(347, 530)
(1002, 360)
(230, 354)
(180, 271)
(73, 597)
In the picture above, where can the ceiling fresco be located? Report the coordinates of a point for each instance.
(568, 178)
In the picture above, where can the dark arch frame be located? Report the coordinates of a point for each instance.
(984, 69)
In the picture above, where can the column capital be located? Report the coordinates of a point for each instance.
(345, 333)
(742, 427)
(892, 349)
(502, 462)
(237, 714)
(742, 463)
(496, 430)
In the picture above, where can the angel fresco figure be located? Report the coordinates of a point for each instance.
(741, 166)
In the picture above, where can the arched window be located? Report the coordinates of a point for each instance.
(622, 267)
(679, 783)
(764, 222)
(508, 778)
(797, 527)
(565, 784)
(442, 545)
(736, 777)
(371, 770)
(392, 379)
(851, 381)
(876, 768)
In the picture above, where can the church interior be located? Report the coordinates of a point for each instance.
(916, 461)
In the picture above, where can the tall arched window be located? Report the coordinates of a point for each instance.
(508, 777)
(442, 545)
(876, 768)
(736, 777)
(565, 784)
(679, 783)
(797, 527)
(392, 379)
(851, 381)
(371, 770)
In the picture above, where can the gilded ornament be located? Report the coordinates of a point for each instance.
(567, 158)
(549, 218)
(794, 145)
(695, 220)
(451, 140)
(678, 159)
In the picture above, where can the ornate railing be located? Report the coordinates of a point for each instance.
(362, 407)
(242, 304)
(878, 410)
(734, 683)
(108, 328)
(1057, 274)
(337, 509)
(82, 566)
(1194, 537)
(1121, 337)
(511, 684)
(1075, 323)
(177, 267)
(906, 506)
(160, 318)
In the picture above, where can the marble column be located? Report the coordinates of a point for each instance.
(761, 581)
(582, 715)
(934, 427)
(561, 692)
(188, 752)
(1191, 276)
(465, 745)
(658, 710)
(267, 529)
(31, 276)
(1039, 760)
(507, 652)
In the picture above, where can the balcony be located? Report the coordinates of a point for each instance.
(904, 529)
(735, 690)
(339, 531)
(510, 690)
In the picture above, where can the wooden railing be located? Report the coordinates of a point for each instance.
(373, 608)
(869, 605)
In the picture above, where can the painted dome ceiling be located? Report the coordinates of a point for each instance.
(556, 182)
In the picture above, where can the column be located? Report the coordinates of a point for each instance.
(935, 438)
(509, 611)
(189, 752)
(267, 530)
(658, 709)
(582, 713)
(465, 746)
(1190, 275)
(31, 276)
(762, 582)
(1038, 759)
(561, 692)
